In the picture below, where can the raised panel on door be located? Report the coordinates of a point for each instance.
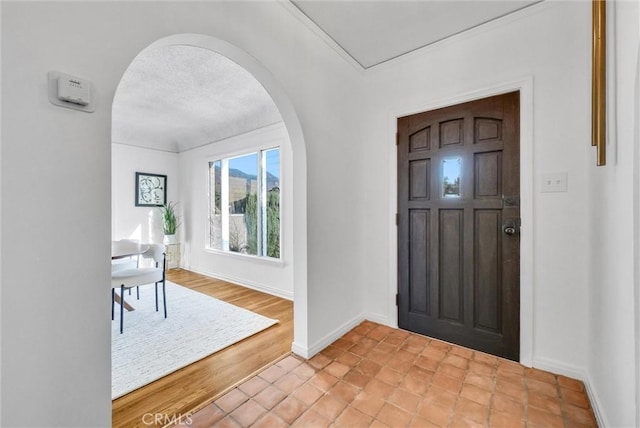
(451, 268)
(488, 175)
(420, 140)
(419, 179)
(488, 270)
(451, 133)
(419, 281)
(487, 130)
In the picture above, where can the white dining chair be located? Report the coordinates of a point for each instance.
(137, 276)
(127, 263)
(122, 264)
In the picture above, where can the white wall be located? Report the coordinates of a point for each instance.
(127, 220)
(56, 166)
(275, 277)
(546, 48)
(55, 233)
(613, 358)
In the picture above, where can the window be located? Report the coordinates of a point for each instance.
(249, 187)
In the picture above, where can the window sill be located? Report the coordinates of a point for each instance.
(247, 257)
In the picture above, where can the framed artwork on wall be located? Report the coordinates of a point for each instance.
(151, 189)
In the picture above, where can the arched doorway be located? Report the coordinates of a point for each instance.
(297, 256)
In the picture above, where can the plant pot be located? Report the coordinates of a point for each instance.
(170, 239)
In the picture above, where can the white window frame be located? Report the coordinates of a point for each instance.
(262, 201)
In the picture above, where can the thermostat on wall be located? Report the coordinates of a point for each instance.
(70, 91)
(74, 90)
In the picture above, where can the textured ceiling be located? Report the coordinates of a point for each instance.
(175, 98)
(373, 32)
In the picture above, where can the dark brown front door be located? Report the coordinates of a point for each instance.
(458, 224)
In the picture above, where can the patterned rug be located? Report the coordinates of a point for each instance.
(151, 346)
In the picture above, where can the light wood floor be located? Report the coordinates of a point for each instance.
(198, 384)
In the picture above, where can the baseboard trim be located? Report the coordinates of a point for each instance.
(249, 284)
(575, 373)
(328, 339)
(309, 352)
(299, 350)
(596, 403)
(377, 318)
(557, 367)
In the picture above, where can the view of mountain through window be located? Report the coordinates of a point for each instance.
(249, 186)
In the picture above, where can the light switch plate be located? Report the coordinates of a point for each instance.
(556, 182)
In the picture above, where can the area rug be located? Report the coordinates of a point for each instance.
(151, 346)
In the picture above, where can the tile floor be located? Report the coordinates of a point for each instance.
(376, 376)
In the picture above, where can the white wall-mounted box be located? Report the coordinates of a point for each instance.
(71, 92)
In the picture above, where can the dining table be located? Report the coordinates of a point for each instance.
(122, 249)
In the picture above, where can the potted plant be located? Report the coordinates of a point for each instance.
(169, 222)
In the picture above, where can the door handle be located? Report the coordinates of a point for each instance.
(509, 227)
